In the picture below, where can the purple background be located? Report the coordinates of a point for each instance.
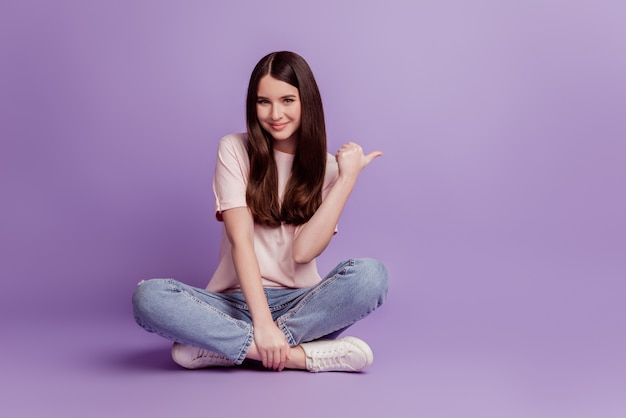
(498, 206)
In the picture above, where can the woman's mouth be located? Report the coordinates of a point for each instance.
(278, 126)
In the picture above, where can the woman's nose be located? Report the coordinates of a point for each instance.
(277, 112)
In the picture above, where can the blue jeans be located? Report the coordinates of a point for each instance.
(221, 322)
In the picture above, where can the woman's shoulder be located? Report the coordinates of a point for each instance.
(238, 139)
(235, 144)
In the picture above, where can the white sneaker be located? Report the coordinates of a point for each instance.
(191, 357)
(348, 354)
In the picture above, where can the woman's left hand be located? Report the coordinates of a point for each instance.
(352, 160)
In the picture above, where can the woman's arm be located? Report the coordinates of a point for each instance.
(268, 338)
(313, 237)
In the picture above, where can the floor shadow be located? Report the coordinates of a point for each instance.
(158, 360)
(145, 359)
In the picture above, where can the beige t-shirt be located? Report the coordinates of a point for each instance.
(272, 245)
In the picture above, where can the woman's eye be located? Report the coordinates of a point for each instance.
(288, 100)
(262, 101)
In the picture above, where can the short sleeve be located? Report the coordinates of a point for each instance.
(232, 169)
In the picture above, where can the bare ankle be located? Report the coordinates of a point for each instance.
(297, 358)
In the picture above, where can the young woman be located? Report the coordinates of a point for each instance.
(279, 195)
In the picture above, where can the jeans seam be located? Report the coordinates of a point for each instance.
(244, 350)
(240, 324)
(307, 297)
(290, 340)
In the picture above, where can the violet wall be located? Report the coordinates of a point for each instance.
(499, 201)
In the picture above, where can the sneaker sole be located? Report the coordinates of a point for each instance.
(181, 357)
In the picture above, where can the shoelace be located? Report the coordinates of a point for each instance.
(202, 353)
(331, 358)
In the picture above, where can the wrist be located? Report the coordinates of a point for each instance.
(263, 322)
(348, 179)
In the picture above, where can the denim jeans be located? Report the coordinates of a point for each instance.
(221, 322)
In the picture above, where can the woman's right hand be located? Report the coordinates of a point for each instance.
(272, 346)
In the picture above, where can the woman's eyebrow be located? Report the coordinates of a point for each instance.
(288, 96)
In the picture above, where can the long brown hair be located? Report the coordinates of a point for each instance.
(303, 192)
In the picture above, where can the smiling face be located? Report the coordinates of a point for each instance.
(278, 109)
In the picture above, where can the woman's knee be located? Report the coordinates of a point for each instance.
(146, 290)
(371, 278)
(147, 297)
